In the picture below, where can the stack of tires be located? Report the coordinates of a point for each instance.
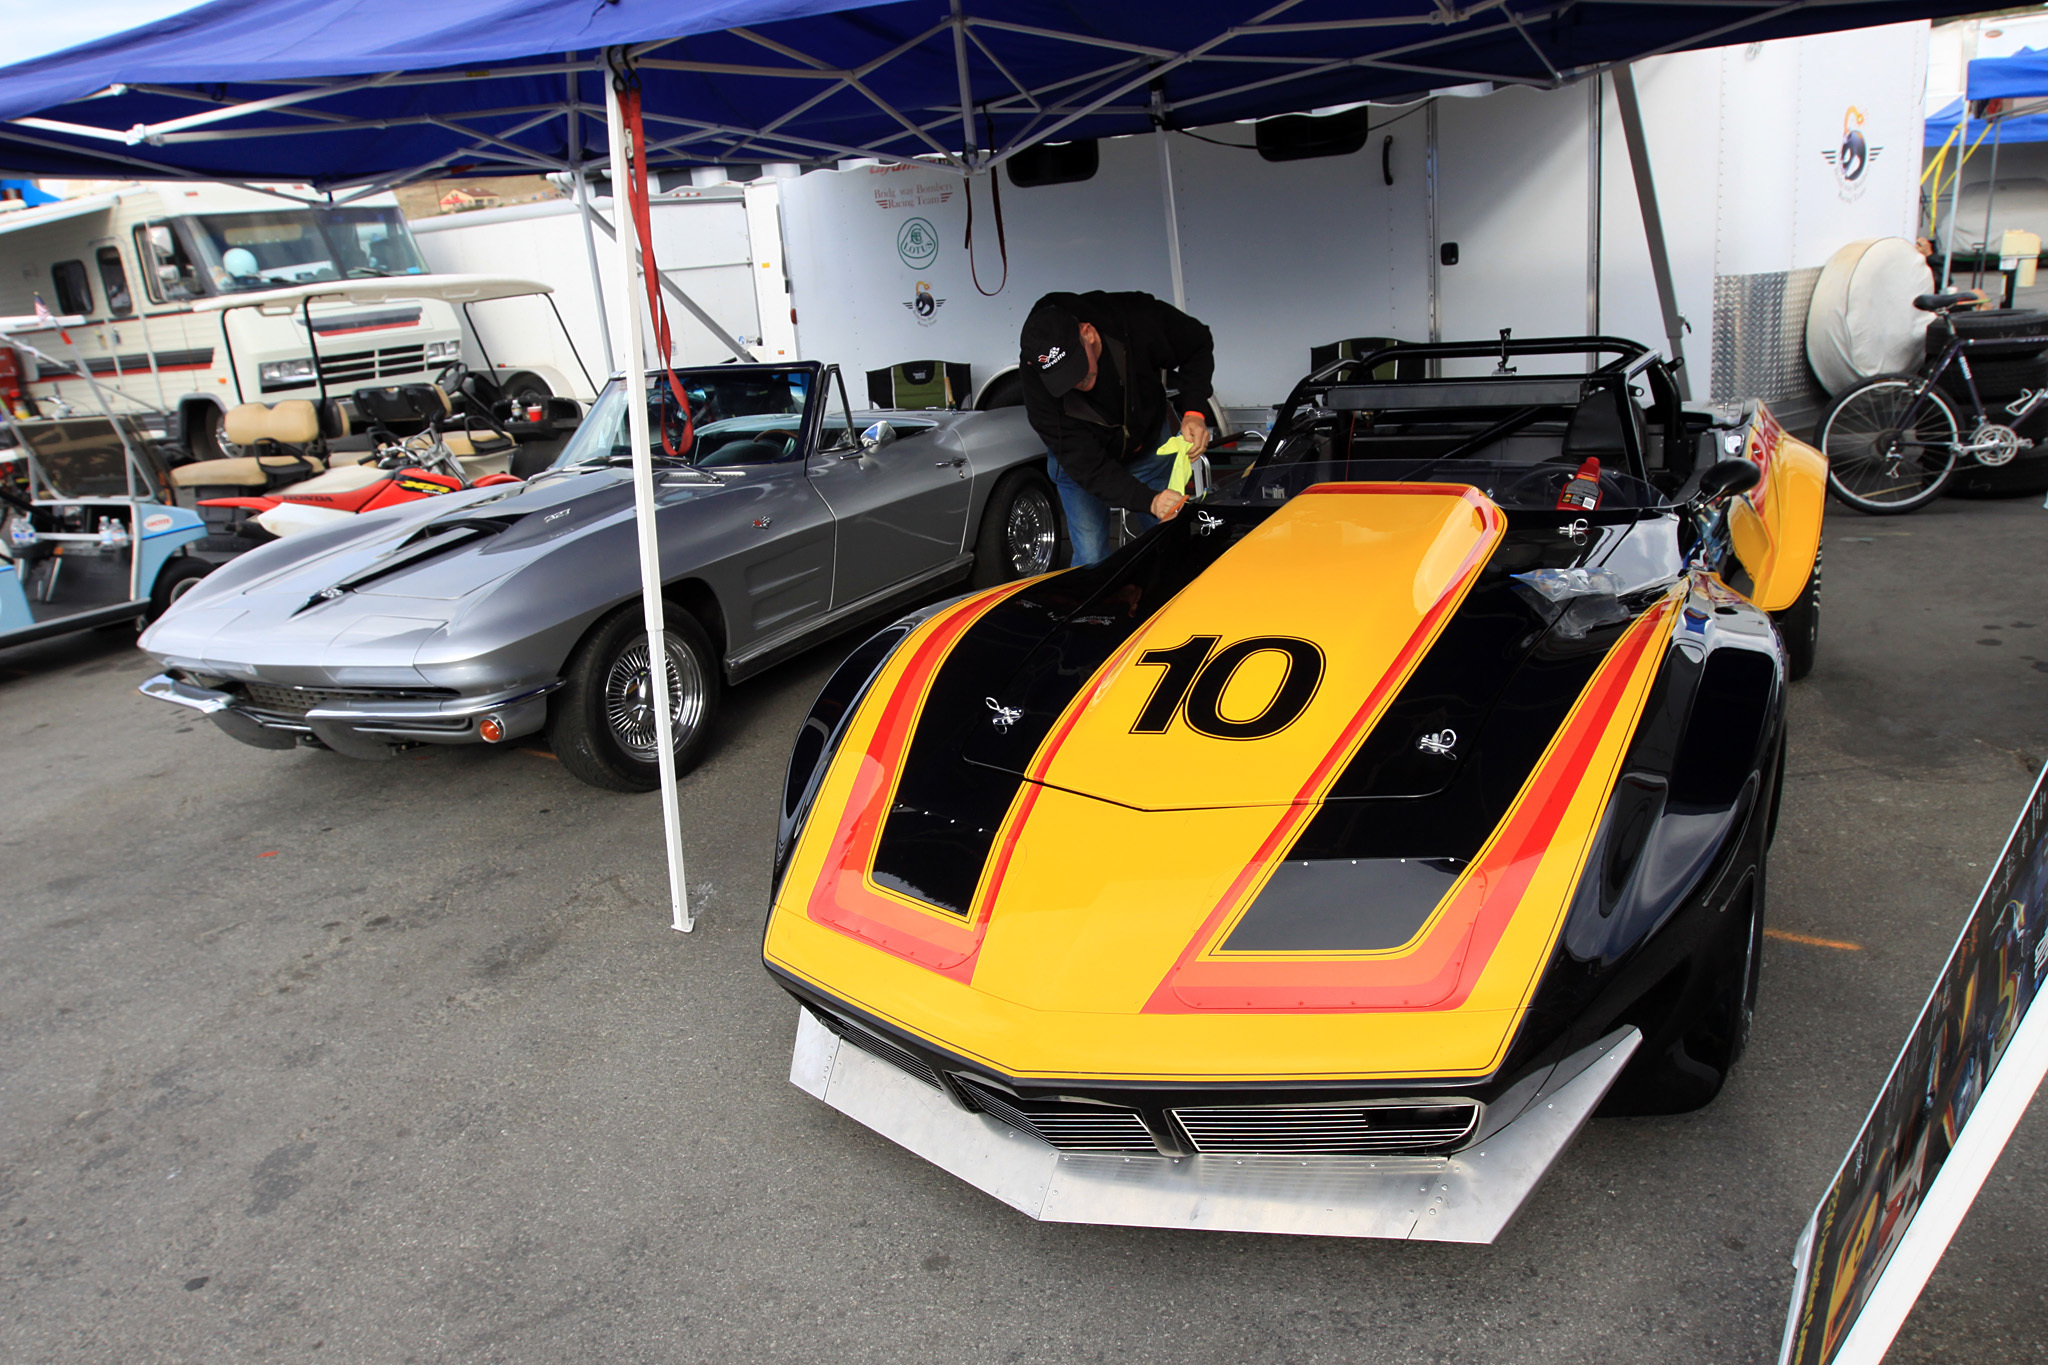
(2004, 371)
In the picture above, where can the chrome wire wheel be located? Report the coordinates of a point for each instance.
(1031, 533)
(629, 698)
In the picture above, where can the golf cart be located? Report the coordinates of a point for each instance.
(87, 533)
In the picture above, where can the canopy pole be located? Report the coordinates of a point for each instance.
(584, 211)
(1955, 203)
(631, 342)
(1653, 222)
(1990, 195)
(1180, 289)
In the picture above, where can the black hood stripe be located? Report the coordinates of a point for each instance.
(1032, 653)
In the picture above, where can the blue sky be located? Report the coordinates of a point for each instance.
(35, 27)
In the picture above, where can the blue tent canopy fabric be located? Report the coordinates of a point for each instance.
(2024, 128)
(2023, 75)
(361, 92)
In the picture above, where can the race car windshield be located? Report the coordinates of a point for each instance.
(741, 417)
(1520, 457)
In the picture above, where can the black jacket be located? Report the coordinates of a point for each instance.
(1144, 339)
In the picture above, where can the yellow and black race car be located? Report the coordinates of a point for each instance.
(1319, 861)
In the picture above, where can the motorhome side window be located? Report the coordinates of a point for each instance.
(114, 282)
(74, 291)
(167, 271)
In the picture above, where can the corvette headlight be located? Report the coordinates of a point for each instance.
(825, 727)
(443, 352)
(284, 371)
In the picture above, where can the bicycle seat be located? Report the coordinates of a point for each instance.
(1942, 303)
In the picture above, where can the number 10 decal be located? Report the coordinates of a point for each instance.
(1197, 673)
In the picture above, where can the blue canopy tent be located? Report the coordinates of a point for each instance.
(345, 93)
(2006, 97)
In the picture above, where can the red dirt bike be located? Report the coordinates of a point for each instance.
(400, 474)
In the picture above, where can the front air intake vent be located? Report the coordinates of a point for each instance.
(880, 1048)
(1067, 1126)
(1328, 1129)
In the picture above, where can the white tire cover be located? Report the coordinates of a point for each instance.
(1862, 321)
(290, 518)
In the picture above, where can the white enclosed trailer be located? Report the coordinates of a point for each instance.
(1768, 157)
(720, 245)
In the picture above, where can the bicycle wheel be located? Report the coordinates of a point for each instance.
(1878, 462)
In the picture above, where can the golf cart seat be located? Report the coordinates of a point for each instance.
(480, 452)
(246, 471)
(294, 422)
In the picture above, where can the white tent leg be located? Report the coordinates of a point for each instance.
(1955, 200)
(631, 354)
(1653, 222)
(1990, 197)
(604, 322)
(1180, 289)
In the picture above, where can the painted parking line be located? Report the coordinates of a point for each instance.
(1812, 941)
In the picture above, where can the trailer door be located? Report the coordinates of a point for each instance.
(1517, 231)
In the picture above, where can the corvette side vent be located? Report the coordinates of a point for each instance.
(881, 1049)
(1328, 1129)
(1069, 1127)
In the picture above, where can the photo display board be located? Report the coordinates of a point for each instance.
(1947, 1071)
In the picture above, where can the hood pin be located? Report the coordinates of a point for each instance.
(1005, 716)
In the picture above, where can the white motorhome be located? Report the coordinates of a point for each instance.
(135, 261)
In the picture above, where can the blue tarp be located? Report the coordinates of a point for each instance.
(2025, 128)
(2023, 75)
(790, 79)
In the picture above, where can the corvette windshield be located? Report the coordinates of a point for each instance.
(742, 416)
(1521, 457)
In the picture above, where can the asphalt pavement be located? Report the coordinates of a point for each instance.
(310, 1059)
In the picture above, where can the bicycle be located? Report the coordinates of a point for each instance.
(1893, 441)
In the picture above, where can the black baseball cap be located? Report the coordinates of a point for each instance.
(1050, 348)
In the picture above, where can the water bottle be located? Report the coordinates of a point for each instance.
(115, 532)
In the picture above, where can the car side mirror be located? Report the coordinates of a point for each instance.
(875, 437)
(1726, 478)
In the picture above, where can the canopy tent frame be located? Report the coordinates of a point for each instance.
(964, 38)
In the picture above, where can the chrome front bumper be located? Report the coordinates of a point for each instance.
(1468, 1196)
(362, 727)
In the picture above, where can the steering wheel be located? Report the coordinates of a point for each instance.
(784, 432)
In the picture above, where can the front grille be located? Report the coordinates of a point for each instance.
(296, 701)
(393, 361)
(882, 1049)
(1327, 1129)
(1069, 1127)
(359, 367)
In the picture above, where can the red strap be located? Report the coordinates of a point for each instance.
(637, 202)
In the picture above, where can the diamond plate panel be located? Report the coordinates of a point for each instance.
(1760, 337)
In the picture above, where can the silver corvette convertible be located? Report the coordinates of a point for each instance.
(487, 615)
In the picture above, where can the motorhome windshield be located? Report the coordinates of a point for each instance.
(245, 251)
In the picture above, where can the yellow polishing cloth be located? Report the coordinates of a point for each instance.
(1183, 467)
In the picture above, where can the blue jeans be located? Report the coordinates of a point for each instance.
(1090, 522)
